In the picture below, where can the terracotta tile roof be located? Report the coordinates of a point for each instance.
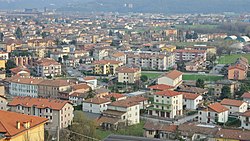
(25, 80)
(232, 102)
(8, 121)
(246, 114)
(189, 51)
(78, 94)
(233, 134)
(118, 54)
(173, 74)
(103, 62)
(237, 66)
(113, 112)
(81, 86)
(190, 96)
(47, 62)
(161, 87)
(115, 95)
(57, 82)
(246, 95)
(217, 107)
(124, 103)
(19, 69)
(127, 70)
(153, 126)
(38, 102)
(168, 93)
(137, 99)
(89, 78)
(191, 128)
(97, 100)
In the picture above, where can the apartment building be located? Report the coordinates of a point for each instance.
(198, 64)
(58, 112)
(150, 60)
(167, 104)
(95, 105)
(233, 85)
(208, 49)
(214, 113)
(188, 55)
(238, 71)
(234, 106)
(47, 67)
(20, 127)
(128, 75)
(191, 101)
(171, 78)
(245, 120)
(118, 56)
(3, 103)
(106, 67)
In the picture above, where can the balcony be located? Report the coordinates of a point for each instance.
(162, 104)
(158, 109)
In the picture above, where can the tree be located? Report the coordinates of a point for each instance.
(200, 83)
(19, 33)
(60, 59)
(144, 78)
(9, 65)
(244, 87)
(225, 92)
(57, 41)
(112, 99)
(1, 36)
(73, 42)
(65, 57)
(80, 61)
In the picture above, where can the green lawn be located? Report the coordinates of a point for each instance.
(199, 26)
(228, 59)
(204, 77)
(151, 75)
(134, 130)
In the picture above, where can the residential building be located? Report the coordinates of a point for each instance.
(3, 103)
(128, 75)
(95, 105)
(195, 90)
(214, 113)
(234, 106)
(115, 96)
(168, 48)
(208, 49)
(106, 67)
(231, 135)
(2, 64)
(77, 98)
(233, 85)
(20, 71)
(143, 101)
(188, 55)
(238, 71)
(119, 56)
(151, 60)
(40, 43)
(100, 53)
(91, 81)
(198, 64)
(20, 127)
(172, 78)
(191, 101)
(160, 87)
(167, 104)
(245, 120)
(4, 55)
(246, 98)
(58, 112)
(47, 67)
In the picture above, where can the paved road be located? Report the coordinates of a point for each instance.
(217, 69)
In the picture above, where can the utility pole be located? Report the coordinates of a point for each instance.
(58, 133)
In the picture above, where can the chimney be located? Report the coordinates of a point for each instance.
(26, 125)
(18, 124)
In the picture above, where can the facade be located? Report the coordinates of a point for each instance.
(198, 64)
(95, 105)
(58, 112)
(106, 67)
(234, 106)
(208, 49)
(172, 78)
(47, 67)
(151, 60)
(119, 56)
(3, 103)
(246, 98)
(168, 48)
(191, 101)
(221, 83)
(245, 120)
(188, 55)
(167, 104)
(214, 113)
(128, 75)
(239, 70)
(20, 127)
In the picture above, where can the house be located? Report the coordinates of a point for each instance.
(143, 101)
(234, 106)
(20, 127)
(233, 85)
(106, 67)
(208, 49)
(101, 92)
(195, 90)
(159, 130)
(95, 105)
(160, 87)
(214, 113)
(119, 56)
(191, 101)
(238, 71)
(197, 64)
(188, 55)
(77, 97)
(231, 135)
(115, 96)
(119, 114)
(172, 78)
(167, 104)
(47, 67)
(3, 103)
(58, 112)
(20, 71)
(91, 81)
(246, 98)
(245, 120)
(128, 75)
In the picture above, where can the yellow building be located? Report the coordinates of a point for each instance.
(168, 48)
(128, 75)
(2, 64)
(105, 67)
(20, 127)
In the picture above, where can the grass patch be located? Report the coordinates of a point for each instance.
(198, 26)
(203, 77)
(228, 59)
(134, 130)
(151, 75)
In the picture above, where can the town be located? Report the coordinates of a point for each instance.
(134, 76)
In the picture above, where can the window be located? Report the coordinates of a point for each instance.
(246, 124)
(150, 132)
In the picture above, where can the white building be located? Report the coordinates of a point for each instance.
(3, 103)
(214, 113)
(245, 120)
(246, 98)
(4, 55)
(47, 67)
(172, 78)
(167, 104)
(234, 106)
(188, 54)
(128, 75)
(95, 105)
(91, 81)
(191, 101)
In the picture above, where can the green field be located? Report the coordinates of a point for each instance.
(199, 26)
(228, 59)
(151, 75)
(204, 77)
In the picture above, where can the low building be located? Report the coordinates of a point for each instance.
(246, 98)
(47, 67)
(191, 101)
(231, 135)
(233, 85)
(167, 104)
(245, 120)
(20, 127)
(58, 112)
(115, 96)
(214, 113)
(128, 75)
(160, 87)
(197, 64)
(172, 78)
(234, 106)
(3, 103)
(106, 67)
(95, 105)
(20, 71)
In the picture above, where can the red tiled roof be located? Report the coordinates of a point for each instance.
(115, 95)
(124, 103)
(233, 134)
(97, 100)
(190, 96)
(161, 87)
(173, 74)
(217, 107)
(168, 93)
(107, 62)
(89, 78)
(189, 51)
(232, 102)
(246, 114)
(38, 102)
(81, 86)
(19, 69)
(8, 121)
(246, 95)
(127, 70)
(47, 62)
